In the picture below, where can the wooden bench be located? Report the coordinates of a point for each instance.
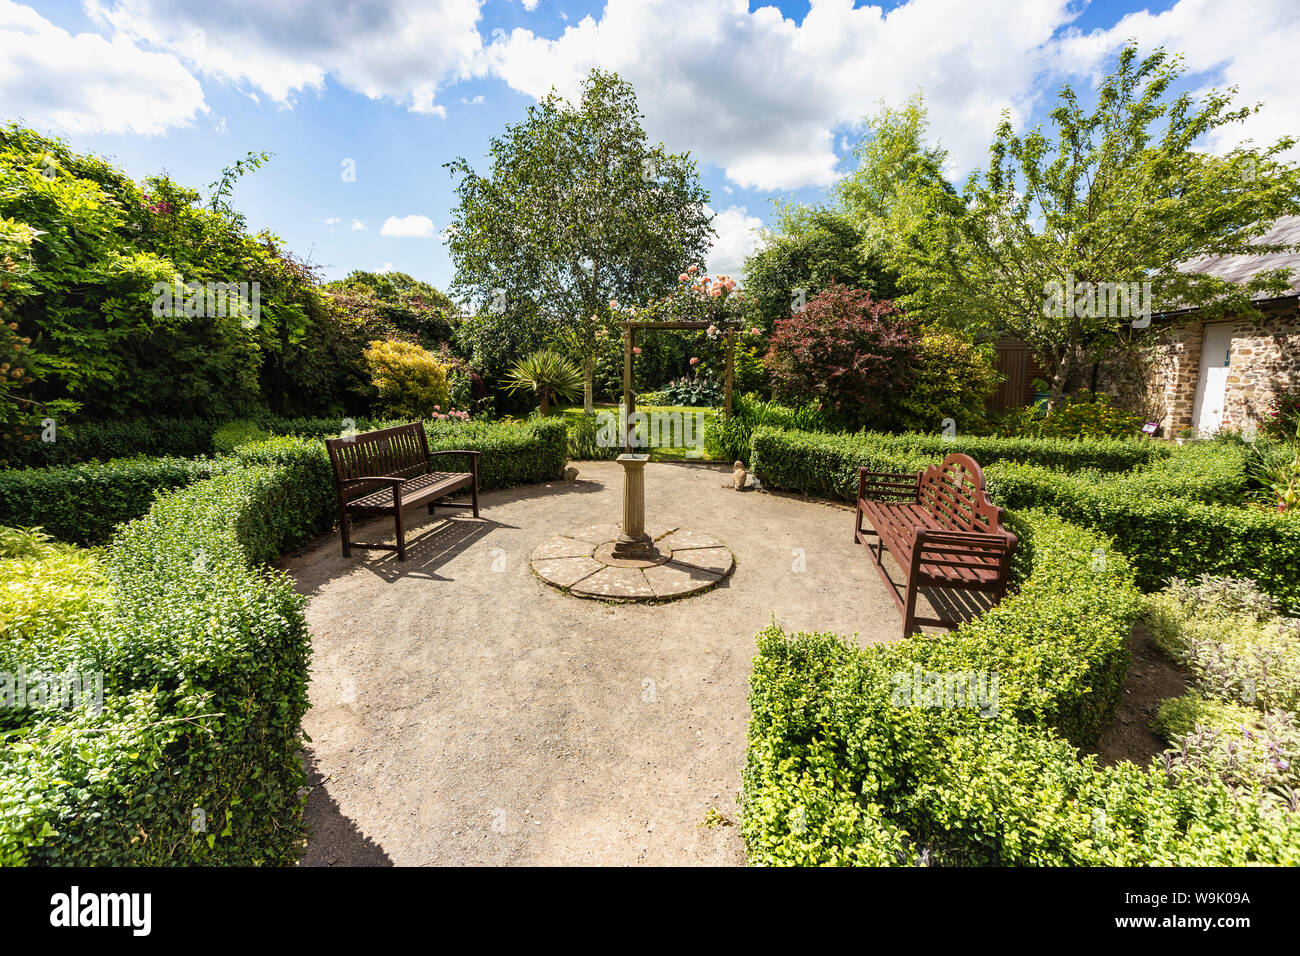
(385, 471)
(941, 528)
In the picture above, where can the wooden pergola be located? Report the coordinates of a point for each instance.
(630, 328)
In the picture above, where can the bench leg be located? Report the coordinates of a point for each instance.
(401, 535)
(343, 531)
(474, 495)
(909, 610)
(431, 506)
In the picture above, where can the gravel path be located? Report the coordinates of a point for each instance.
(464, 712)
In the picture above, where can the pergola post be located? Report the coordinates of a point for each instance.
(731, 365)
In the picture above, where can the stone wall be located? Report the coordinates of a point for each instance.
(1158, 380)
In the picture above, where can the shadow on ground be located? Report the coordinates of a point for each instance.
(334, 840)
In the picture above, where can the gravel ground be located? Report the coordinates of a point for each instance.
(464, 712)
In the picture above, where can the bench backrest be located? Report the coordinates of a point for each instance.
(954, 493)
(398, 452)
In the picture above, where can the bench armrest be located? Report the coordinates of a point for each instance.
(471, 455)
(887, 485)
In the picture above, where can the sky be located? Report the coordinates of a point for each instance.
(362, 102)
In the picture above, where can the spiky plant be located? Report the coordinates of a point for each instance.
(547, 375)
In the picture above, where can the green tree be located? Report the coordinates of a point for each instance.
(402, 304)
(576, 212)
(1119, 196)
(808, 249)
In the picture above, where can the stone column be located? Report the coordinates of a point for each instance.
(633, 542)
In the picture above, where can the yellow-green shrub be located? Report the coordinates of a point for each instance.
(411, 381)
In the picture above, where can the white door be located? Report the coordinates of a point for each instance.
(1212, 386)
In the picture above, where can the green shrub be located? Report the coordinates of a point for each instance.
(730, 439)
(1164, 537)
(82, 504)
(81, 442)
(233, 434)
(841, 770)
(1179, 716)
(45, 586)
(584, 439)
(827, 464)
(195, 755)
(1088, 416)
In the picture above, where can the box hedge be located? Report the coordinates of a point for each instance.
(203, 655)
(82, 504)
(837, 772)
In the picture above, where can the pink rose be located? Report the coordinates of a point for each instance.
(636, 350)
(694, 360)
(683, 277)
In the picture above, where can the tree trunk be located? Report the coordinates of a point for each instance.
(588, 373)
(1063, 364)
(545, 404)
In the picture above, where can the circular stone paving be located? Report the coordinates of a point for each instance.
(582, 563)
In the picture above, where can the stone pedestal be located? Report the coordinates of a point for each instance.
(633, 544)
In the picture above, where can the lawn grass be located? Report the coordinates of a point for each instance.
(658, 452)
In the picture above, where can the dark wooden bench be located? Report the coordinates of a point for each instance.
(385, 471)
(941, 528)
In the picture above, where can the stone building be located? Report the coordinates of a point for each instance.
(1208, 374)
(1192, 373)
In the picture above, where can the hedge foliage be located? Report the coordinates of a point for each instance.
(194, 758)
(1175, 513)
(203, 653)
(840, 770)
(826, 463)
(1165, 537)
(82, 504)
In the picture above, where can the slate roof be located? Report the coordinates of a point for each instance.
(1241, 268)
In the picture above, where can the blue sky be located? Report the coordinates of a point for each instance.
(767, 97)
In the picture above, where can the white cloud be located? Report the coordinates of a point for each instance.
(764, 97)
(408, 227)
(402, 49)
(87, 84)
(1247, 45)
(737, 236)
(358, 225)
(332, 221)
(386, 267)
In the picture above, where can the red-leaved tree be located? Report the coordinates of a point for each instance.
(852, 355)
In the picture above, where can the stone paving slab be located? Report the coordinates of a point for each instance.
(566, 572)
(686, 538)
(615, 583)
(562, 546)
(675, 580)
(710, 559)
(596, 533)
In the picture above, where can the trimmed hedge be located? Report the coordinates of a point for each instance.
(826, 463)
(82, 504)
(91, 441)
(195, 756)
(1165, 537)
(204, 658)
(839, 771)
(1173, 517)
